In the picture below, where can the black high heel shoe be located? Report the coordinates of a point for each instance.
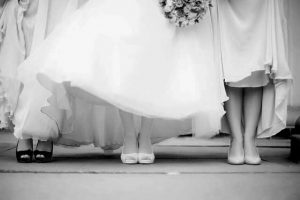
(43, 156)
(24, 156)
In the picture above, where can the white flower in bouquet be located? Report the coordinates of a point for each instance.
(184, 13)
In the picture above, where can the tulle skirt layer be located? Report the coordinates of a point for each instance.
(124, 55)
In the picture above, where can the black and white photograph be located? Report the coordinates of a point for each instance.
(150, 99)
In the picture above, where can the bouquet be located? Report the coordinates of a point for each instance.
(185, 13)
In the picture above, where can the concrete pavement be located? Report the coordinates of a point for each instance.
(195, 170)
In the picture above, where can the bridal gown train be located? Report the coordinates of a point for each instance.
(121, 55)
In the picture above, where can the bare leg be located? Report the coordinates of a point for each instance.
(146, 155)
(130, 136)
(252, 110)
(24, 144)
(145, 145)
(44, 145)
(233, 108)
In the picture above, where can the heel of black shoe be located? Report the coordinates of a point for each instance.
(43, 156)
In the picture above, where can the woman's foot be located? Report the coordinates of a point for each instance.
(145, 155)
(24, 151)
(251, 153)
(236, 152)
(44, 151)
(129, 152)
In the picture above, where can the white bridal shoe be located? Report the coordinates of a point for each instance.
(129, 158)
(146, 158)
(252, 160)
(235, 160)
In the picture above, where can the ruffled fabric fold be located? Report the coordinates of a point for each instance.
(76, 119)
(273, 119)
(90, 62)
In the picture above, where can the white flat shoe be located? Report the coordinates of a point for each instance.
(252, 160)
(235, 160)
(146, 158)
(129, 158)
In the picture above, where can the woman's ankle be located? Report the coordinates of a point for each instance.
(249, 139)
(24, 144)
(145, 144)
(44, 145)
(130, 144)
(238, 140)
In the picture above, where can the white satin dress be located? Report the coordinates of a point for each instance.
(14, 46)
(253, 46)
